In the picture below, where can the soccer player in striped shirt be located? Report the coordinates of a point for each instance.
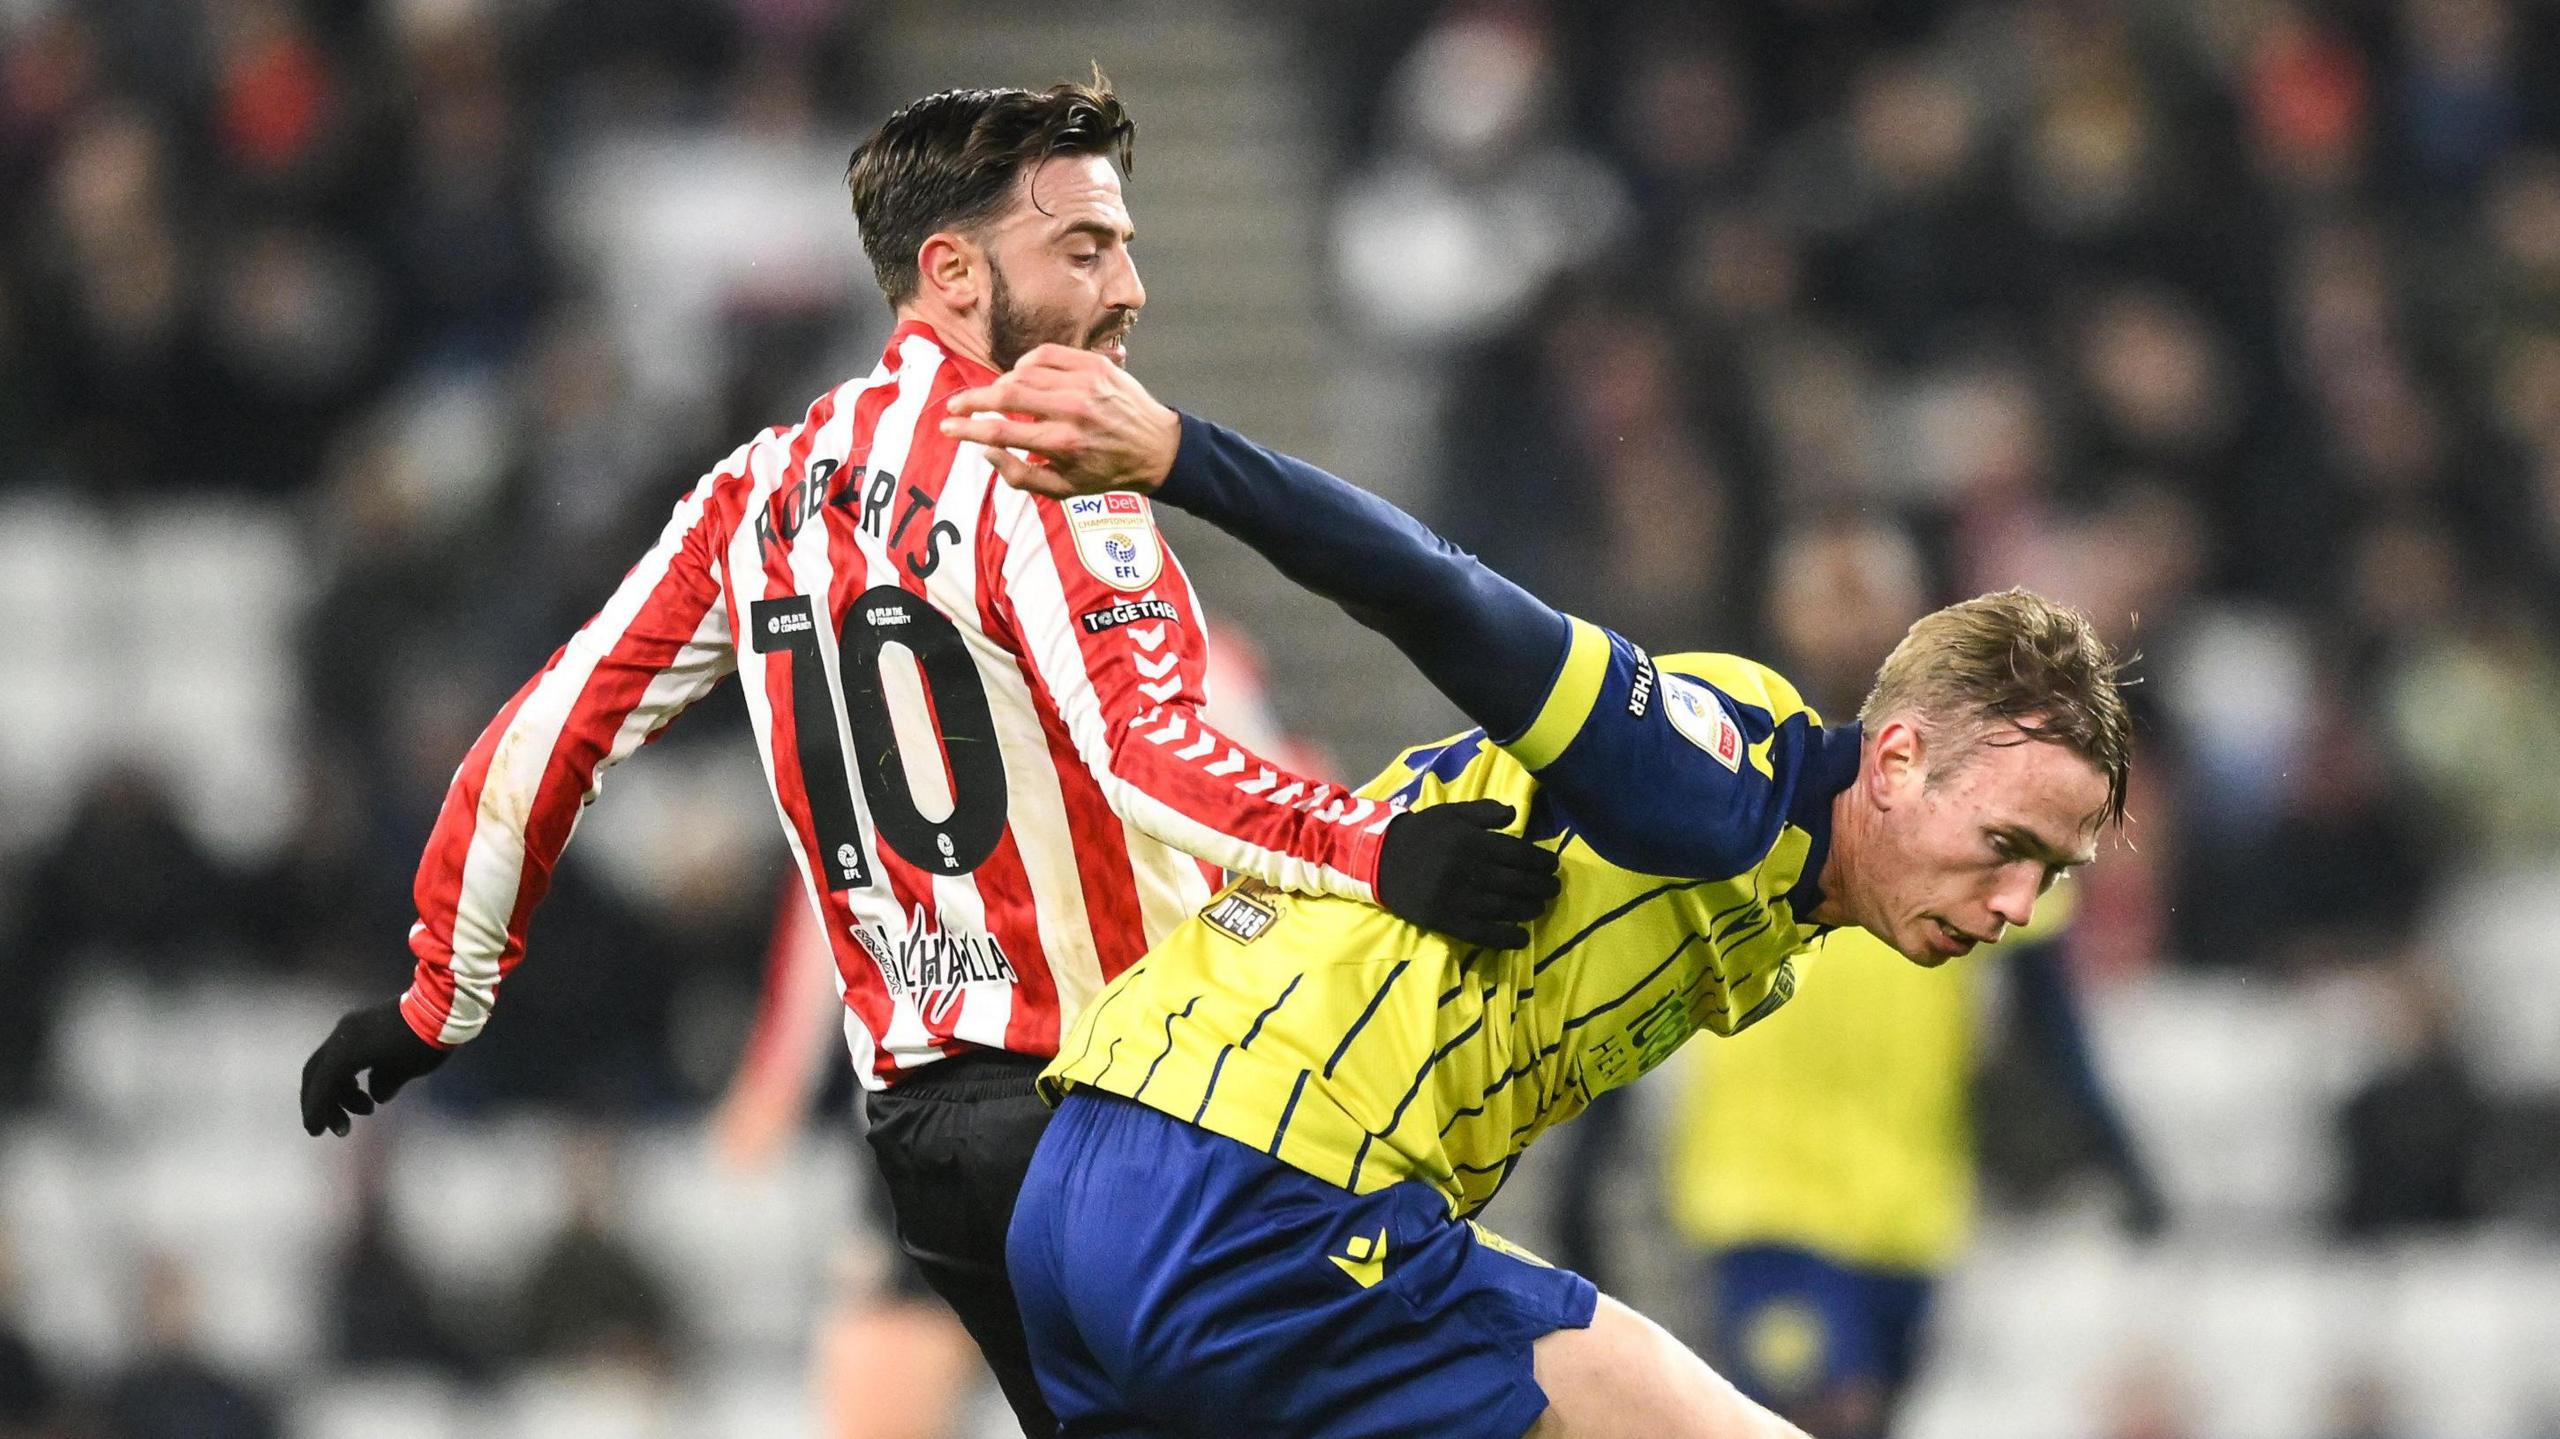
(1253, 1213)
(978, 709)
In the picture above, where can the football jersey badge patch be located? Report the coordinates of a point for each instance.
(1692, 710)
(1115, 536)
(1240, 917)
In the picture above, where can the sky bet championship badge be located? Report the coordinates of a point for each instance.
(1116, 539)
(1694, 712)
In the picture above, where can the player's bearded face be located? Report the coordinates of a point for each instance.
(1016, 325)
(1058, 264)
(1973, 841)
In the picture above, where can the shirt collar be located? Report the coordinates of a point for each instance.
(1829, 769)
(971, 374)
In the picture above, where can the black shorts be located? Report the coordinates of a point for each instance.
(953, 1141)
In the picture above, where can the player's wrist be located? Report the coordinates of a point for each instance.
(421, 1026)
(1162, 448)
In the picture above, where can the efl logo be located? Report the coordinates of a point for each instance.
(1116, 539)
(1693, 710)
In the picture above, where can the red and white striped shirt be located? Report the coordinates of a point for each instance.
(979, 711)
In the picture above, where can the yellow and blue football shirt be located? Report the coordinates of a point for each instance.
(1689, 803)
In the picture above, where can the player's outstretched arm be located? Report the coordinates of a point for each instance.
(1569, 700)
(1490, 646)
(1124, 658)
(660, 643)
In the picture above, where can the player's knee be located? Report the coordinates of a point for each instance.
(1625, 1375)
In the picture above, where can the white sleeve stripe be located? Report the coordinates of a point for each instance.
(493, 866)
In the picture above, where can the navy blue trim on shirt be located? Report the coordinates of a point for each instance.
(1826, 773)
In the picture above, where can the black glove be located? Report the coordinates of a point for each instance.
(375, 1038)
(1450, 868)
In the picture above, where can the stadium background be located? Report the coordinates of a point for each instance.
(349, 351)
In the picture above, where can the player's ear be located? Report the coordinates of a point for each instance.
(953, 269)
(1898, 756)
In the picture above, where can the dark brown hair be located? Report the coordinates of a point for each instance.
(948, 162)
(2012, 660)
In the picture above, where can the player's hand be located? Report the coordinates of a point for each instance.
(1090, 424)
(1449, 867)
(375, 1038)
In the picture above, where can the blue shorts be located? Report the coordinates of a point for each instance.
(1176, 1282)
(1792, 1326)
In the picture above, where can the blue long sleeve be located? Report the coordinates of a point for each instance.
(1490, 646)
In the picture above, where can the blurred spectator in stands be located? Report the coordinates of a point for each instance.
(2412, 1136)
(2168, 407)
(1481, 195)
(591, 1030)
(30, 1394)
(1912, 239)
(382, 1311)
(463, 235)
(2474, 715)
(2305, 94)
(1581, 460)
(2517, 217)
(293, 321)
(126, 884)
(112, 309)
(590, 1298)
(169, 1390)
(295, 309)
(2403, 589)
(321, 905)
(1842, 593)
(1979, 449)
(2334, 870)
(2240, 696)
(2458, 97)
(2107, 166)
(51, 67)
(1680, 121)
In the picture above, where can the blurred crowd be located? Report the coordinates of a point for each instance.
(2236, 322)
(449, 301)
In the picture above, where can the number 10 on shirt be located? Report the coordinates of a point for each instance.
(822, 713)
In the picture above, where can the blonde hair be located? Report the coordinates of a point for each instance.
(2012, 659)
